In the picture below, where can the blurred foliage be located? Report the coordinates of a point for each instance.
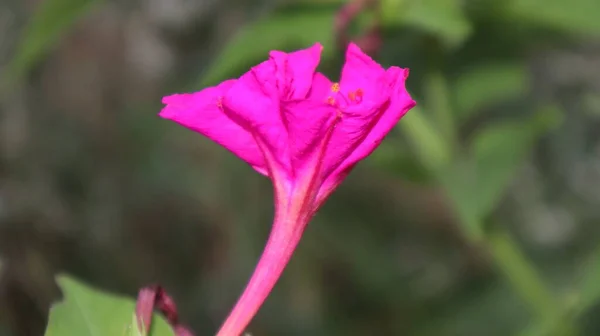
(488, 84)
(590, 289)
(443, 18)
(51, 20)
(287, 29)
(446, 201)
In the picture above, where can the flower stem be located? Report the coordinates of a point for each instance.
(285, 235)
(527, 283)
(152, 297)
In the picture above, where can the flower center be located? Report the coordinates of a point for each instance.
(339, 100)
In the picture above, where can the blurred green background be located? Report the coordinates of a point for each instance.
(477, 216)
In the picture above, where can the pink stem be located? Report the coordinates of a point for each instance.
(155, 297)
(285, 235)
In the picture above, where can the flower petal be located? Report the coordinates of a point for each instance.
(308, 123)
(202, 113)
(295, 71)
(399, 104)
(361, 96)
(253, 102)
(361, 72)
(320, 88)
(350, 131)
(255, 98)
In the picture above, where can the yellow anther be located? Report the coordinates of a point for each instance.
(335, 87)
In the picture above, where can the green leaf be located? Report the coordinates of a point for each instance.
(544, 328)
(459, 181)
(86, 311)
(437, 94)
(488, 84)
(395, 158)
(476, 183)
(443, 18)
(50, 21)
(574, 16)
(392, 11)
(500, 149)
(133, 329)
(429, 146)
(286, 29)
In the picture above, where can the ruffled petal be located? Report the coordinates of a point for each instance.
(320, 88)
(398, 105)
(254, 103)
(309, 124)
(361, 72)
(203, 112)
(256, 97)
(294, 71)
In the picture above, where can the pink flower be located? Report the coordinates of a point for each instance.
(306, 133)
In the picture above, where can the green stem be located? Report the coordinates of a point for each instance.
(527, 283)
(522, 276)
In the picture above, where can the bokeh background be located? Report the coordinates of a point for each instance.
(477, 216)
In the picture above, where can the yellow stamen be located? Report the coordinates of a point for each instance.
(335, 88)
